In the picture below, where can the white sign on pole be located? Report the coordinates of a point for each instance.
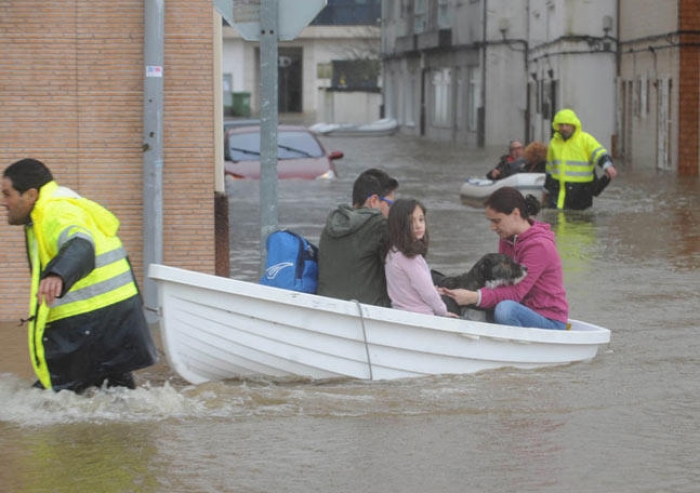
(292, 17)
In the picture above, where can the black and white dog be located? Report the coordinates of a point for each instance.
(491, 270)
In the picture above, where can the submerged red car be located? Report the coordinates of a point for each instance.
(299, 154)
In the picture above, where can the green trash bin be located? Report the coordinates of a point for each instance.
(241, 104)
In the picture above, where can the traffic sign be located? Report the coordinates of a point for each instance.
(292, 17)
(225, 8)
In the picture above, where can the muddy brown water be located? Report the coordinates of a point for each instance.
(624, 422)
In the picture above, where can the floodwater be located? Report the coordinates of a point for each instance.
(626, 422)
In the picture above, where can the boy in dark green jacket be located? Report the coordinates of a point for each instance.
(350, 258)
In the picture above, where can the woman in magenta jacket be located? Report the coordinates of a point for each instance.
(539, 300)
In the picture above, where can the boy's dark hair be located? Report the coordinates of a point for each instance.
(400, 236)
(28, 173)
(372, 182)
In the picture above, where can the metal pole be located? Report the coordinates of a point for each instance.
(152, 150)
(269, 119)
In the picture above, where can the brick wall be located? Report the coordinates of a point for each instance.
(71, 92)
(689, 88)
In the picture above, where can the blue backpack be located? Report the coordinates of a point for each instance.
(292, 262)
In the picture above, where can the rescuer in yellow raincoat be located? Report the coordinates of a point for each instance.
(86, 322)
(571, 159)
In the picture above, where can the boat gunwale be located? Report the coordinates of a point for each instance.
(582, 333)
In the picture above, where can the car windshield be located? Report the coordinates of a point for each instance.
(290, 145)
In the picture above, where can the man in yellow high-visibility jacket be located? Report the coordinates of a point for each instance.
(86, 325)
(571, 159)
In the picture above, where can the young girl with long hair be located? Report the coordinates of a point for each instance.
(409, 283)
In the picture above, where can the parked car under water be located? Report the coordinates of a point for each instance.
(299, 154)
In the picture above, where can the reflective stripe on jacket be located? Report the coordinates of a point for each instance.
(60, 215)
(572, 160)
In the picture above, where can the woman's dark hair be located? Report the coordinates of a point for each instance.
(400, 236)
(505, 199)
(28, 173)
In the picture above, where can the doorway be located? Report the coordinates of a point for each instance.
(290, 82)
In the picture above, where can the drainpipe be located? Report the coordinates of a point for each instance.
(481, 122)
(528, 106)
(152, 150)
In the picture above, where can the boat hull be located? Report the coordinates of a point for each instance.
(215, 328)
(479, 189)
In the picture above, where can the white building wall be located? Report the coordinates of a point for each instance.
(456, 89)
(401, 93)
(648, 84)
(572, 43)
(579, 55)
(349, 107)
(466, 20)
(506, 74)
(588, 87)
(231, 52)
(319, 44)
(642, 18)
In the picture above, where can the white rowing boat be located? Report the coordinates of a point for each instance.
(215, 328)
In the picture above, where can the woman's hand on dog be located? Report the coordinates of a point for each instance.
(461, 296)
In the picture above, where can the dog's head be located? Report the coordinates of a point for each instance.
(491, 270)
(498, 269)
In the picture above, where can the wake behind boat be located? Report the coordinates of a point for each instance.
(214, 328)
(476, 190)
